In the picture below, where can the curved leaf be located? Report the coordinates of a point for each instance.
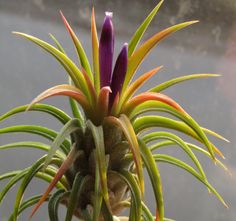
(71, 126)
(181, 79)
(66, 62)
(64, 90)
(56, 112)
(146, 122)
(155, 178)
(124, 123)
(147, 96)
(61, 171)
(39, 130)
(73, 197)
(137, 84)
(171, 160)
(54, 203)
(139, 54)
(170, 143)
(101, 158)
(134, 189)
(142, 28)
(169, 136)
(31, 144)
(80, 51)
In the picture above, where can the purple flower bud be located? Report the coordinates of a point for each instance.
(106, 50)
(119, 73)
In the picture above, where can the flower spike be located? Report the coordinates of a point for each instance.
(119, 73)
(106, 50)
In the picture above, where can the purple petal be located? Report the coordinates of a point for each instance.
(119, 73)
(106, 50)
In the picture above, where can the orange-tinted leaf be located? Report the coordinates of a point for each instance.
(64, 90)
(139, 54)
(137, 84)
(64, 167)
(147, 96)
(95, 52)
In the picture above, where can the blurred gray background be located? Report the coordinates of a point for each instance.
(207, 47)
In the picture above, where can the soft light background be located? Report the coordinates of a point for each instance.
(207, 47)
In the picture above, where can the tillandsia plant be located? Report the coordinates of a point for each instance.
(96, 161)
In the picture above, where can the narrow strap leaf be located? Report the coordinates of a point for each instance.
(73, 197)
(74, 107)
(31, 144)
(9, 174)
(134, 189)
(56, 112)
(170, 143)
(171, 160)
(54, 203)
(158, 121)
(147, 96)
(26, 180)
(154, 175)
(137, 84)
(26, 204)
(80, 51)
(57, 43)
(124, 123)
(142, 28)
(170, 136)
(95, 52)
(98, 137)
(71, 126)
(39, 130)
(63, 90)
(63, 168)
(139, 54)
(97, 192)
(181, 79)
(66, 62)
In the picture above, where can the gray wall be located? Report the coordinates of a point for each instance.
(207, 47)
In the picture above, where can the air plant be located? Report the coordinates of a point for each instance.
(96, 161)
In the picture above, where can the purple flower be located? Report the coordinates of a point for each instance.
(106, 50)
(119, 73)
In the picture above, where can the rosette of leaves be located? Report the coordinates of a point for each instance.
(96, 161)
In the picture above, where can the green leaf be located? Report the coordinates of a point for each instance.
(134, 189)
(55, 112)
(146, 122)
(61, 171)
(142, 28)
(181, 79)
(169, 143)
(139, 54)
(26, 204)
(97, 192)
(9, 174)
(101, 157)
(171, 160)
(66, 62)
(25, 182)
(95, 52)
(124, 123)
(71, 126)
(39, 130)
(74, 107)
(54, 203)
(80, 51)
(57, 43)
(31, 144)
(73, 197)
(155, 178)
(169, 136)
